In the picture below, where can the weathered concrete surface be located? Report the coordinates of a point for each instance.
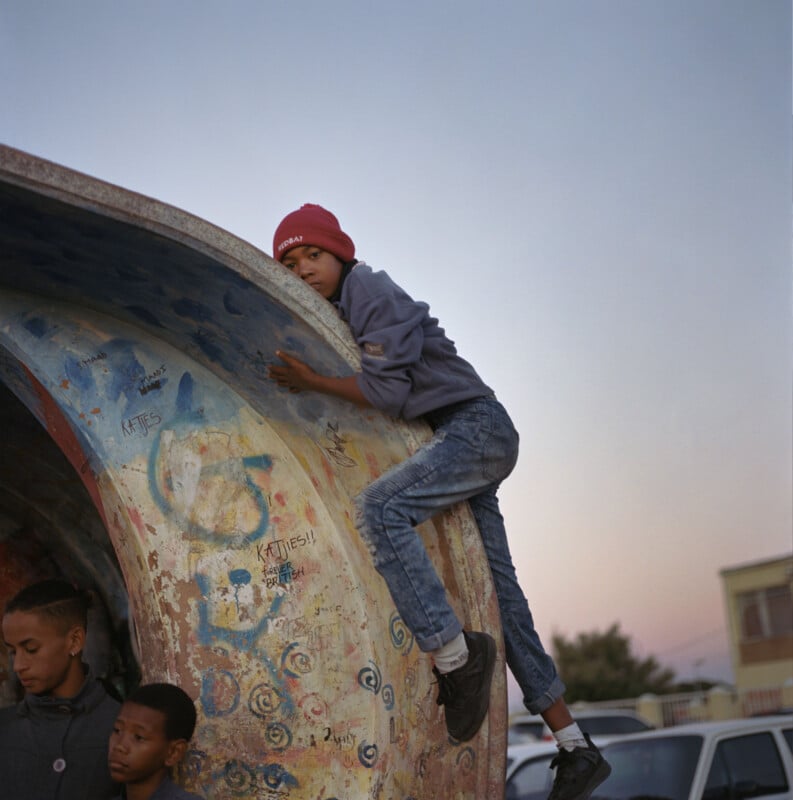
(139, 336)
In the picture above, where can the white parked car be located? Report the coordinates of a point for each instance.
(529, 776)
(525, 728)
(703, 761)
(728, 760)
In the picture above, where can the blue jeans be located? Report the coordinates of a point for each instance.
(474, 447)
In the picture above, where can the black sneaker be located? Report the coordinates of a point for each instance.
(465, 691)
(578, 772)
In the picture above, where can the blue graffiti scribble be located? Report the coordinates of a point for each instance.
(244, 780)
(368, 754)
(278, 736)
(264, 700)
(80, 379)
(239, 777)
(225, 469)
(239, 578)
(126, 372)
(240, 639)
(370, 678)
(236, 469)
(275, 776)
(299, 660)
(401, 637)
(244, 640)
(184, 397)
(214, 682)
(466, 759)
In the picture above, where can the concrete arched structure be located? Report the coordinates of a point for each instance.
(167, 469)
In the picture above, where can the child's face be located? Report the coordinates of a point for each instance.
(42, 653)
(138, 748)
(320, 269)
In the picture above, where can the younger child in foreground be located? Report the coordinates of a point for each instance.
(410, 369)
(150, 735)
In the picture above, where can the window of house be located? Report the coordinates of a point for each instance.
(780, 610)
(766, 613)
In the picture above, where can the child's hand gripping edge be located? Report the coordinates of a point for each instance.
(296, 376)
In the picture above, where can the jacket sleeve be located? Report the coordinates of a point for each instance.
(387, 325)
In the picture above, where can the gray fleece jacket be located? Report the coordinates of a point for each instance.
(409, 366)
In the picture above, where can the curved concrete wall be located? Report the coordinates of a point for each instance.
(138, 337)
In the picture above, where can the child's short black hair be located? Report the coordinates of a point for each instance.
(62, 602)
(173, 702)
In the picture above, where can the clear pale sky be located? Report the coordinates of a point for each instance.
(593, 196)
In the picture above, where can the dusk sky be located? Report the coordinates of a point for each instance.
(594, 198)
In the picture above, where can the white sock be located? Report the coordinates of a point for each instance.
(570, 737)
(452, 655)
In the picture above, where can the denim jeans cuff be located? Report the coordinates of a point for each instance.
(547, 698)
(437, 640)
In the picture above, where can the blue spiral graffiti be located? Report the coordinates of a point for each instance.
(401, 637)
(276, 776)
(277, 736)
(239, 777)
(215, 684)
(370, 678)
(466, 759)
(264, 700)
(368, 754)
(299, 663)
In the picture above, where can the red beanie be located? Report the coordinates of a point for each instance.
(312, 224)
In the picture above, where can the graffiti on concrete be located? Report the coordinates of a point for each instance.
(229, 504)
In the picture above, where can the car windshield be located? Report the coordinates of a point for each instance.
(659, 768)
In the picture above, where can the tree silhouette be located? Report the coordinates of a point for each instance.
(600, 666)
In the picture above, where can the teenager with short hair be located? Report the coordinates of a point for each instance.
(53, 743)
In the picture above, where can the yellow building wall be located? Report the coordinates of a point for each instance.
(767, 662)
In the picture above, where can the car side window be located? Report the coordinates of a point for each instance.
(746, 766)
(717, 786)
(531, 781)
(788, 734)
